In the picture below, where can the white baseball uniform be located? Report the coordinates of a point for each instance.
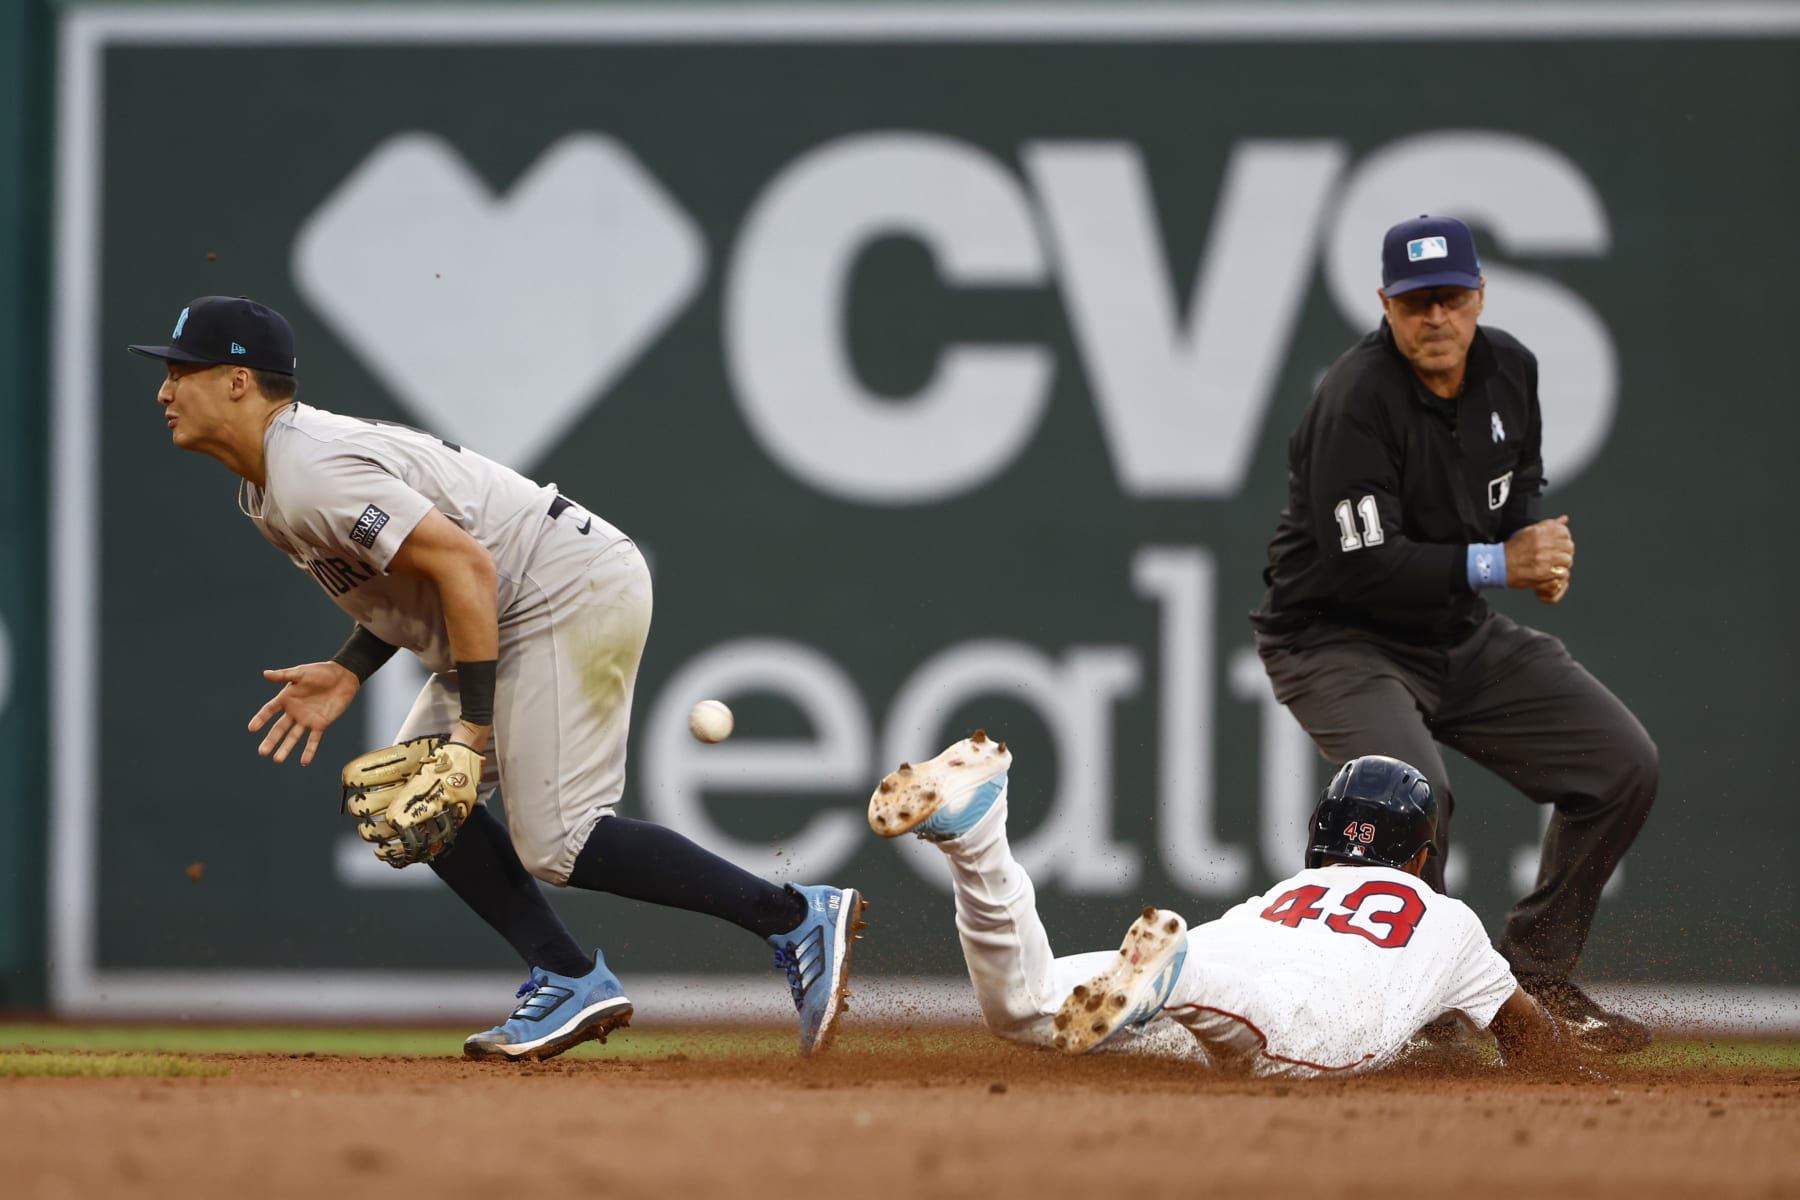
(341, 496)
(1330, 971)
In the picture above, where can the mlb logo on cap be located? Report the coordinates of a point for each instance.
(1429, 252)
(1431, 247)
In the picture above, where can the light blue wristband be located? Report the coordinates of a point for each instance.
(1487, 565)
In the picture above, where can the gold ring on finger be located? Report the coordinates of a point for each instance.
(1559, 571)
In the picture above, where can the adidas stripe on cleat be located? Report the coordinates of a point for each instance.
(815, 954)
(941, 800)
(555, 1012)
(1133, 991)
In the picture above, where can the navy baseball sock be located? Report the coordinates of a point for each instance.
(484, 871)
(641, 861)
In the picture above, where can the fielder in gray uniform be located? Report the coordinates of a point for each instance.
(532, 614)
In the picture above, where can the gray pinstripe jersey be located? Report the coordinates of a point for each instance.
(343, 493)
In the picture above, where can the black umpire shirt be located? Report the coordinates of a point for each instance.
(1388, 484)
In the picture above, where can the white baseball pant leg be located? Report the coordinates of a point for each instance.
(1019, 983)
(569, 653)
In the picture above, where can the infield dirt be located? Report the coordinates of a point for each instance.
(877, 1119)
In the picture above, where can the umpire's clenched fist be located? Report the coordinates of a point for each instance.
(1540, 557)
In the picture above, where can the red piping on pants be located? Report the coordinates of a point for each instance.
(1264, 1039)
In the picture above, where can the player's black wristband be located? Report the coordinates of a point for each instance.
(475, 680)
(363, 654)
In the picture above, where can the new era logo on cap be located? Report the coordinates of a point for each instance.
(229, 329)
(1431, 247)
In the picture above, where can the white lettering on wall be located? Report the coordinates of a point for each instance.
(412, 244)
(785, 303)
(1181, 579)
(1181, 399)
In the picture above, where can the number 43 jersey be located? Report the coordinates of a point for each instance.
(1334, 970)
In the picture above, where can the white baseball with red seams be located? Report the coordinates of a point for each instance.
(710, 721)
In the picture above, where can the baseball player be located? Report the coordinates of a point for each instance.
(531, 613)
(1332, 971)
(1414, 487)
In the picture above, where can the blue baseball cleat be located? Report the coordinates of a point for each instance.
(943, 799)
(555, 1013)
(816, 956)
(1133, 991)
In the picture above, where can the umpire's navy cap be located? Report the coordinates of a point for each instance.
(229, 329)
(1429, 252)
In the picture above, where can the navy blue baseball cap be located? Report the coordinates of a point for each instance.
(229, 329)
(1429, 252)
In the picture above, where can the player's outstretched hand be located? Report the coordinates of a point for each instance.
(1540, 557)
(312, 696)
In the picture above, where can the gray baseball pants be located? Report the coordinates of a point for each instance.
(1513, 700)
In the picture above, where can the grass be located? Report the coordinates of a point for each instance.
(21, 1065)
(1698, 1053)
(138, 1048)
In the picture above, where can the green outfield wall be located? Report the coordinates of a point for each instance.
(942, 360)
(24, 222)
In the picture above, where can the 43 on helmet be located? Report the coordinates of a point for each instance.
(1375, 810)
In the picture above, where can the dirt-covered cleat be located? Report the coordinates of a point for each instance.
(1132, 992)
(1450, 1045)
(942, 799)
(1592, 1027)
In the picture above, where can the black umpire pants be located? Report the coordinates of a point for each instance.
(1513, 700)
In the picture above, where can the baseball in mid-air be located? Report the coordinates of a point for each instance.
(710, 721)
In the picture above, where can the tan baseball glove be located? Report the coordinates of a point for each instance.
(409, 800)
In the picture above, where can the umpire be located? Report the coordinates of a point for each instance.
(1414, 484)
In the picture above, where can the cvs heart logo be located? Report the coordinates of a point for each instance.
(497, 321)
